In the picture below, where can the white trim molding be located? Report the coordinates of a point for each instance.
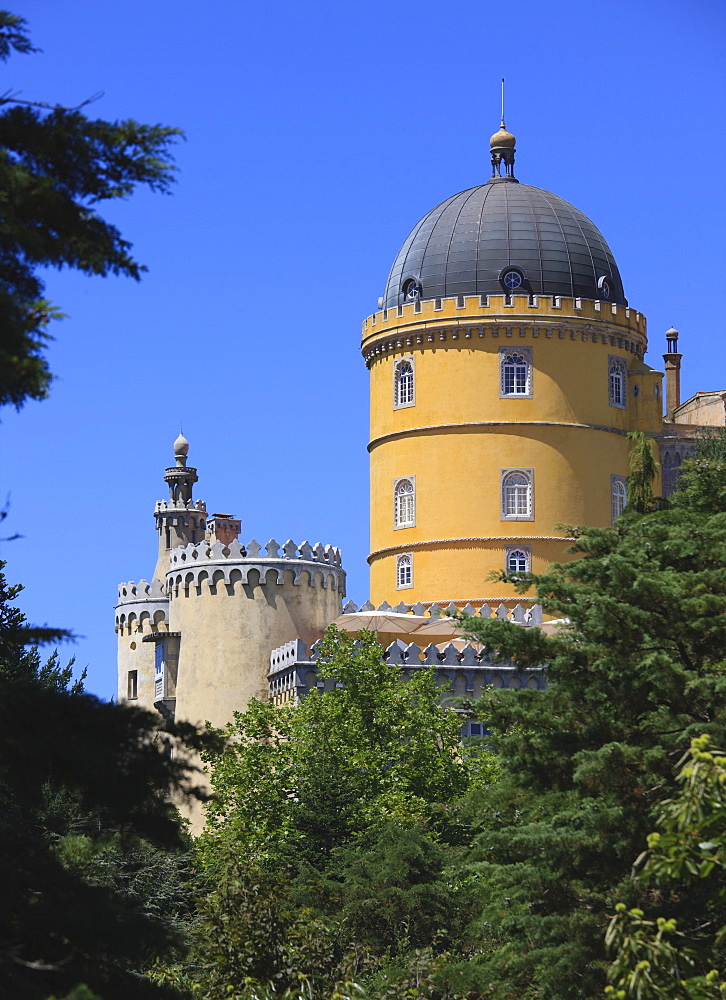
(517, 494)
(515, 372)
(517, 559)
(617, 381)
(618, 496)
(404, 382)
(404, 571)
(404, 502)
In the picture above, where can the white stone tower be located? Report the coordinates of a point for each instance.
(195, 642)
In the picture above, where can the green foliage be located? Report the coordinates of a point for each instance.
(330, 841)
(56, 165)
(80, 992)
(587, 764)
(90, 846)
(642, 472)
(665, 958)
(699, 487)
(13, 35)
(295, 782)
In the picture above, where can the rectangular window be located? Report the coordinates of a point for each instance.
(133, 685)
(617, 381)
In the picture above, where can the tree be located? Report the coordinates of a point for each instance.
(662, 959)
(642, 471)
(330, 837)
(85, 817)
(699, 487)
(587, 764)
(295, 782)
(56, 166)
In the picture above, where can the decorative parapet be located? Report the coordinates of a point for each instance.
(141, 601)
(168, 506)
(464, 671)
(530, 615)
(188, 562)
(475, 316)
(286, 655)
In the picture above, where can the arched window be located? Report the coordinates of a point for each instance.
(404, 503)
(403, 384)
(517, 494)
(517, 560)
(616, 381)
(515, 371)
(618, 497)
(404, 571)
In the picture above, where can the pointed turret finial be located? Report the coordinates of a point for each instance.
(181, 449)
(502, 145)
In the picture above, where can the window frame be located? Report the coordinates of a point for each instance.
(132, 685)
(615, 361)
(529, 476)
(509, 551)
(398, 362)
(399, 562)
(526, 353)
(398, 525)
(616, 481)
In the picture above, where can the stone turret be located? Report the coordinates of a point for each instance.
(180, 520)
(195, 642)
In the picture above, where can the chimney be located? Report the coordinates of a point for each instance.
(673, 373)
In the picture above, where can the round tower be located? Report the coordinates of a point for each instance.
(195, 643)
(506, 369)
(231, 604)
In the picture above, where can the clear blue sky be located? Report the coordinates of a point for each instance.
(317, 135)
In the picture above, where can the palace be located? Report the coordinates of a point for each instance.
(503, 347)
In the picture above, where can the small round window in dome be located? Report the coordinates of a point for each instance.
(512, 279)
(605, 288)
(411, 290)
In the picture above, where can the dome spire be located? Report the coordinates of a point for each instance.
(502, 146)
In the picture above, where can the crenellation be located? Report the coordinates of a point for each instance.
(466, 669)
(141, 592)
(164, 506)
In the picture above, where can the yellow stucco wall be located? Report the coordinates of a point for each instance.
(460, 434)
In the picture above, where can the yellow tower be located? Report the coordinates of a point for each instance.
(506, 369)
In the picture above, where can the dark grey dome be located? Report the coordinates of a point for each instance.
(472, 243)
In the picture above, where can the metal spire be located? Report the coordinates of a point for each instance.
(503, 126)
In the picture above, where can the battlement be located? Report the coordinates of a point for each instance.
(461, 306)
(140, 593)
(531, 615)
(141, 606)
(474, 317)
(463, 670)
(167, 506)
(217, 562)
